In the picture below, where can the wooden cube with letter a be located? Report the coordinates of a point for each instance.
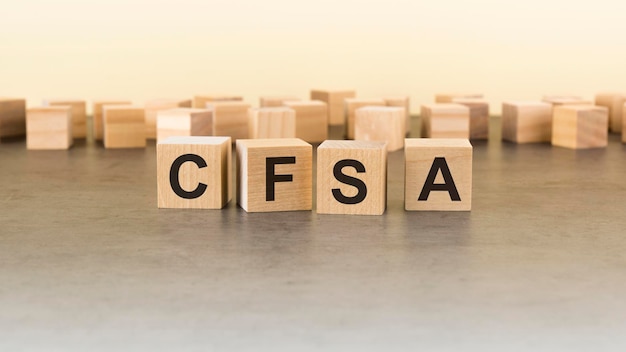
(124, 126)
(381, 123)
(184, 122)
(580, 126)
(352, 177)
(194, 172)
(438, 174)
(615, 103)
(49, 128)
(230, 118)
(98, 122)
(271, 122)
(445, 121)
(154, 106)
(12, 117)
(335, 100)
(527, 122)
(311, 120)
(351, 105)
(79, 115)
(274, 174)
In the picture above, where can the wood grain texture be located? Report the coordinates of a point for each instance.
(275, 100)
(580, 126)
(311, 120)
(124, 126)
(526, 122)
(372, 156)
(382, 124)
(252, 155)
(79, 115)
(442, 98)
(351, 104)
(152, 107)
(230, 118)
(200, 101)
(445, 120)
(49, 128)
(335, 99)
(615, 103)
(271, 122)
(12, 117)
(184, 122)
(216, 176)
(98, 106)
(420, 154)
(403, 102)
(479, 116)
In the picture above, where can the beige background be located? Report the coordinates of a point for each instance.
(141, 49)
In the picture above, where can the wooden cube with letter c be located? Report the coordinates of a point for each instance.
(438, 174)
(352, 177)
(274, 174)
(194, 172)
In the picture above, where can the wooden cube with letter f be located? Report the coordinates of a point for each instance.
(438, 174)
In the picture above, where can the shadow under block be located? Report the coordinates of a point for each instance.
(445, 120)
(382, 124)
(152, 107)
(124, 127)
(527, 122)
(311, 120)
(97, 116)
(275, 101)
(230, 118)
(274, 174)
(351, 178)
(49, 128)
(335, 99)
(449, 97)
(479, 117)
(615, 103)
(12, 117)
(200, 101)
(184, 122)
(580, 126)
(350, 106)
(271, 122)
(438, 174)
(79, 115)
(403, 102)
(194, 172)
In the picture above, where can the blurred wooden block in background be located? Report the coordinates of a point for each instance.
(79, 115)
(351, 105)
(403, 102)
(98, 116)
(558, 100)
(624, 123)
(194, 172)
(12, 117)
(311, 120)
(200, 101)
(274, 174)
(580, 126)
(49, 128)
(124, 126)
(479, 116)
(352, 177)
(276, 101)
(184, 122)
(230, 118)
(152, 107)
(271, 122)
(445, 120)
(527, 122)
(382, 124)
(615, 103)
(449, 97)
(438, 174)
(335, 99)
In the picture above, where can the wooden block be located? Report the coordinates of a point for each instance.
(557, 100)
(449, 97)
(445, 120)
(184, 122)
(79, 115)
(200, 101)
(311, 120)
(276, 101)
(124, 126)
(382, 124)
(194, 172)
(624, 123)
(274, 174)
(527, 122)
(230, 118)
(580, 126)
(154, 106)
(351, 104)
(271, 122)
(405, 103)
(615, 103)
(97, 115)
(49, 128)
(438, 174)
(12, 117)
(352, 177)
(479, 116)
(335, 100)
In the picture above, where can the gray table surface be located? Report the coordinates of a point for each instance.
(88, 262)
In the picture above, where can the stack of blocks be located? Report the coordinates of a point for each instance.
(229, 118)
(49, 128)
(12, 117)
(123, 126)
(271, 122)
(445, 120)
(153, 107)
(335, 100)
(351, 105)
(98, 119)
(527, 122)
(580, 126)
(184, 122)
(381, 123)
(311, 120)
(79, 115)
